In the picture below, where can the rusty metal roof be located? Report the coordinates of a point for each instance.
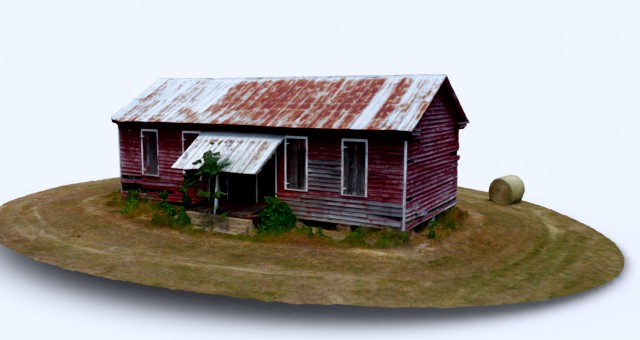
(343, 103)
(246, 152)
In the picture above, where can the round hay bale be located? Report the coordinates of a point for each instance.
(506, 190)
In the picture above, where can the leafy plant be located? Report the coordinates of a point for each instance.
(276, 217)
(210, 168)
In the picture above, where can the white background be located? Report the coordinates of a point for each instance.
(551, 89)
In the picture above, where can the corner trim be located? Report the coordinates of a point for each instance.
(404, 188)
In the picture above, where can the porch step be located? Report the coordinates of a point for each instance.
(221, 224)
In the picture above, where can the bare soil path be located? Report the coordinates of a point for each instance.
(500, 255)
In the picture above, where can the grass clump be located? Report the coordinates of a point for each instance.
(375, 238)
(391, 238)
(447, 221)
(131, 203)
(162, 213)
(356, 238)
(309, 231)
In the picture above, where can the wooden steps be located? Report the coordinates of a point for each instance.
(221, 223)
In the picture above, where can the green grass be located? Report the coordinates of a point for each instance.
(490, 254)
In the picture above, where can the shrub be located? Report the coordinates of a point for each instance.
(276, 217)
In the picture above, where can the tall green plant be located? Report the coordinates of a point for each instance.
(210, 168)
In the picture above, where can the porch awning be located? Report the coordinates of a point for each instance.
(246, 152)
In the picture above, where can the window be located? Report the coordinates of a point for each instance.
(188, 137)
(295, 163)
(354, 167)
(149, 141)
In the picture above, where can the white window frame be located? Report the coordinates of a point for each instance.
(366, 165)
(188, 132)
(142, 131)
(306, 164)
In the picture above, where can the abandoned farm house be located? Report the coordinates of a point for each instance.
(359, 150)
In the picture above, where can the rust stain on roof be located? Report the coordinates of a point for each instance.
(341, 103)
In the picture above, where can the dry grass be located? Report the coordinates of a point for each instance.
(495, 255)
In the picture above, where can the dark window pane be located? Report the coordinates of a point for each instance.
(187, 139)
(296, 154)
(354, 168)
(150, 153)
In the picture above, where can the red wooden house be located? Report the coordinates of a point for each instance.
(357, 150)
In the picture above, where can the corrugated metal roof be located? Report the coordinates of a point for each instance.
(246, 152)
(349, 102)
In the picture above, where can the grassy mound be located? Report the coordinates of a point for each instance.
(484, 254)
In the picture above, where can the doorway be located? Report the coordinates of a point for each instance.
(243, 188)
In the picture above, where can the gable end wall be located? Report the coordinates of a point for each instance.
(432, 170)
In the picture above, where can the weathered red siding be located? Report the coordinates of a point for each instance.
(324, 202)
(432, 163)
(431, 170)
(169, 149)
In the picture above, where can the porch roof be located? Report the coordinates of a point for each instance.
(246, 152)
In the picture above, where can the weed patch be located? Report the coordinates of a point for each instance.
(356, 238)
(391, 238)
(162, 213)
(132, 202)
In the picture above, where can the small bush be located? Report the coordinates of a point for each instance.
(276, 217)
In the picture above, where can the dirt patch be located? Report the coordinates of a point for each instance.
(497, 255)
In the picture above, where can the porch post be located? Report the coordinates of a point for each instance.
(215, 200)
